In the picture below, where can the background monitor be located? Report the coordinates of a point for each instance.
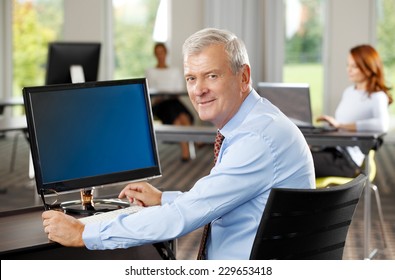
(293, 99)
(66, 58)
(90, 134)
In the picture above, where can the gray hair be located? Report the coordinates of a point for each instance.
(234, 47)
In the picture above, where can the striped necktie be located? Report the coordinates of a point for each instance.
(202, 249)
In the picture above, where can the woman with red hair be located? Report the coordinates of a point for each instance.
(363, 107)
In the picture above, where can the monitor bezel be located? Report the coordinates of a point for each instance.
(54, 63)
(77, 184)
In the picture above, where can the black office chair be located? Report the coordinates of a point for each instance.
(309, 224)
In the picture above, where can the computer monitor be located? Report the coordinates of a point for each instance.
(90, 134)
(72, 62)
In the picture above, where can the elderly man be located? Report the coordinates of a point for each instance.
(261, 149)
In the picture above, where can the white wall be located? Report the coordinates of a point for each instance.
(349, 24)
(245, 19)
(5, 50)
(85, 20)
(187, 17)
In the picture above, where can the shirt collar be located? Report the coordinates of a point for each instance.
(247, 105)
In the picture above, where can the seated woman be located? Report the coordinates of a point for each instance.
(170, 110)
(363, 107)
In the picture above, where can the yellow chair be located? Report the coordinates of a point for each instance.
(324, 182)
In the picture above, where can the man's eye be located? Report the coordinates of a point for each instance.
(212, 76)
(189, 79)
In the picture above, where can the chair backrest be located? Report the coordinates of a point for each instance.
(372, 165)
(307, 223)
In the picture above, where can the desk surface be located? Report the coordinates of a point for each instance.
(16, 224)
(365, 140)
(12, 123)
(23, 237)
(206, 134)
(13, 101)
(176, 133)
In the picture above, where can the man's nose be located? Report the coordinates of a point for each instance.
(200, 87)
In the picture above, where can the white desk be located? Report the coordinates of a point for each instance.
(13, 101)
(13, 124)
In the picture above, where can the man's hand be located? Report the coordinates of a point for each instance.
(142, 193)
(63, 228)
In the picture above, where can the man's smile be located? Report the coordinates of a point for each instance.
(205, 102)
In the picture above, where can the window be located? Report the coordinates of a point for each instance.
(133, 49)
(160, 33)
(385, 41)
(304, 29)
(35, 23)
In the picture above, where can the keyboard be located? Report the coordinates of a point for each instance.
(317, 129)
(106, 216)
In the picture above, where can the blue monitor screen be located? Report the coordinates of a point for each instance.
(90, 134)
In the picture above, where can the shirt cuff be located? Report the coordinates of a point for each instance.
(91, 237)
(169, 196)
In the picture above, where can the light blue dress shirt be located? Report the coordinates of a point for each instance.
(262, 150)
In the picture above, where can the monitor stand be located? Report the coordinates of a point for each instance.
(77, 74)
(89, 206)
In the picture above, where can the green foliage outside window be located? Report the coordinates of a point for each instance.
(35, 23)
(305, 46)
(133, 39)
(38, 22)
(386, 41)
(303, 52)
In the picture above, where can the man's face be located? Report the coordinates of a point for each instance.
(215, 92)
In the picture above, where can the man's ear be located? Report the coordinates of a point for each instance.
(245, 78)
